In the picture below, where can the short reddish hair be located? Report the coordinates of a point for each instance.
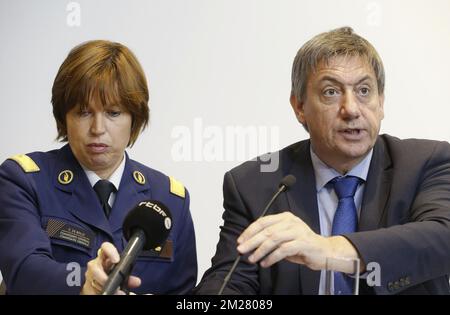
(106, 71)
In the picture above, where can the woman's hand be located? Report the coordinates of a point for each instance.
(98, 269)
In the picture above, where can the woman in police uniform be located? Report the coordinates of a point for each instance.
(61, 209)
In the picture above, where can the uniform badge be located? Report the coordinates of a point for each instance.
(64, 231)
(65, 177)
(139, 177)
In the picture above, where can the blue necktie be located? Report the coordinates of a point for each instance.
(345, 221)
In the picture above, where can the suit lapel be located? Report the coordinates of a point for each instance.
(83, 203)
(302, 199)
(129, 194)
(377, 188)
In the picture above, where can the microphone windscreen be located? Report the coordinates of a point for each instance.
(152, 217)
(288, 181)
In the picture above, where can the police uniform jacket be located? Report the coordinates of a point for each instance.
(52, 224)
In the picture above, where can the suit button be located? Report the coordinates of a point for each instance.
(396, 285)
(390, 286)
(407, 281)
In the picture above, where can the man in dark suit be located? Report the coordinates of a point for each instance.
(358, 195)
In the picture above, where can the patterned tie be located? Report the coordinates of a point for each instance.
(104, 188)
(345, 221)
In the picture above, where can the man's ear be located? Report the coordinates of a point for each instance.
(298, 107)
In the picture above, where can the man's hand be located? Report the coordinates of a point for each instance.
(97, 269)
(273, 238)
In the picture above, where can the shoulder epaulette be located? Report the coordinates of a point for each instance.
(26, 163)
(176, 187)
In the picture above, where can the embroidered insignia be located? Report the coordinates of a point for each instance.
(65, 177)
(176, 187)
(67, 232)
(26, 163)
(139, 177)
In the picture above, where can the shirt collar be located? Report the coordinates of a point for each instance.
(115, 177)
(325, 173)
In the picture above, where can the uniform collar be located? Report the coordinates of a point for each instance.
(67, 163)
(131, 193)
(84, 205)
(115, 177)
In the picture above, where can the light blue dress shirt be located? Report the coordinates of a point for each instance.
(327, 200)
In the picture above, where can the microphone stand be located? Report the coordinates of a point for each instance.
(282, 188)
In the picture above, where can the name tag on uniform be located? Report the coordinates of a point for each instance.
(67, 232)
(165, 251)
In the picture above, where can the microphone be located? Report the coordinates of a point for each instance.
(146, 226)
(287, 182)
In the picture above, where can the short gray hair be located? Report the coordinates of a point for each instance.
(338, 42)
